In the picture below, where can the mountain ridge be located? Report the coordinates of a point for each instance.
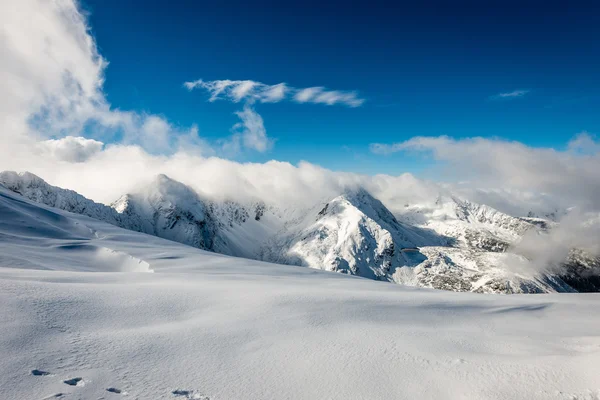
(459, 245)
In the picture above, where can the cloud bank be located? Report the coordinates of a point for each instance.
(570, 175)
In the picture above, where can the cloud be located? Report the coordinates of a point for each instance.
(251, 91)
(510, 95)
(51, 83)
(567, 175)
(252, 130)
(577, 230)
(121, 168)
(70, 149)
(249, 133)
(50, 64)
(584, 144)
(319, 95)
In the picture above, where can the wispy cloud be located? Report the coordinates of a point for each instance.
(250, 133)
(510, 95)
(252, 91)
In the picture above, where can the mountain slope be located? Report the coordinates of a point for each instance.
(470, 225)
(170, 210)
(164, 208)
(35, 188)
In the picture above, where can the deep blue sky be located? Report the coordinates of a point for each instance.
(427, 69)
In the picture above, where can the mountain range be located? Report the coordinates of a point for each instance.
(451, 243)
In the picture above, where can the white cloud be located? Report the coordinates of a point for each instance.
(249, 133)
(70, 148)
(319, 95)
(50, 64)
(510, 95)
(584, 143)
(275, 93)
(578, 229)
(121, 168)
(252, 91)
(153, 134)
(569, 176)
(51, 86)
(51, 81)
(308, 94)
(252, 130)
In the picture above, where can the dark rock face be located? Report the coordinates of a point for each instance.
(582, 272)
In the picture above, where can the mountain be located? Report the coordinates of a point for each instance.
(353, 233)
(470, 225)
(164, 208)
(450, 244)
(35, 188)
(170, 210)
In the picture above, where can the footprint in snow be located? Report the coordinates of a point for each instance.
(39, 372)
(75, 381)
(116, 391)
(189, 394)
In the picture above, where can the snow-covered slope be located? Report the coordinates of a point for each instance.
(164, 208)
(468, 224)
(450, 244)
(35, 188)
(89, 311)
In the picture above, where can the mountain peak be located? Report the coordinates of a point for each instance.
(163, 189)
(362, 200)
(357, 193)
(20, 179)
(165, 183)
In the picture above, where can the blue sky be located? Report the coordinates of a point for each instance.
(424, 70)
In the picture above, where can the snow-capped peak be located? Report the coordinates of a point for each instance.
(353, 233)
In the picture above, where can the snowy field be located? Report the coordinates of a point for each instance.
(92, 311)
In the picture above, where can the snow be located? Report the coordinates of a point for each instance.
(79, 320)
